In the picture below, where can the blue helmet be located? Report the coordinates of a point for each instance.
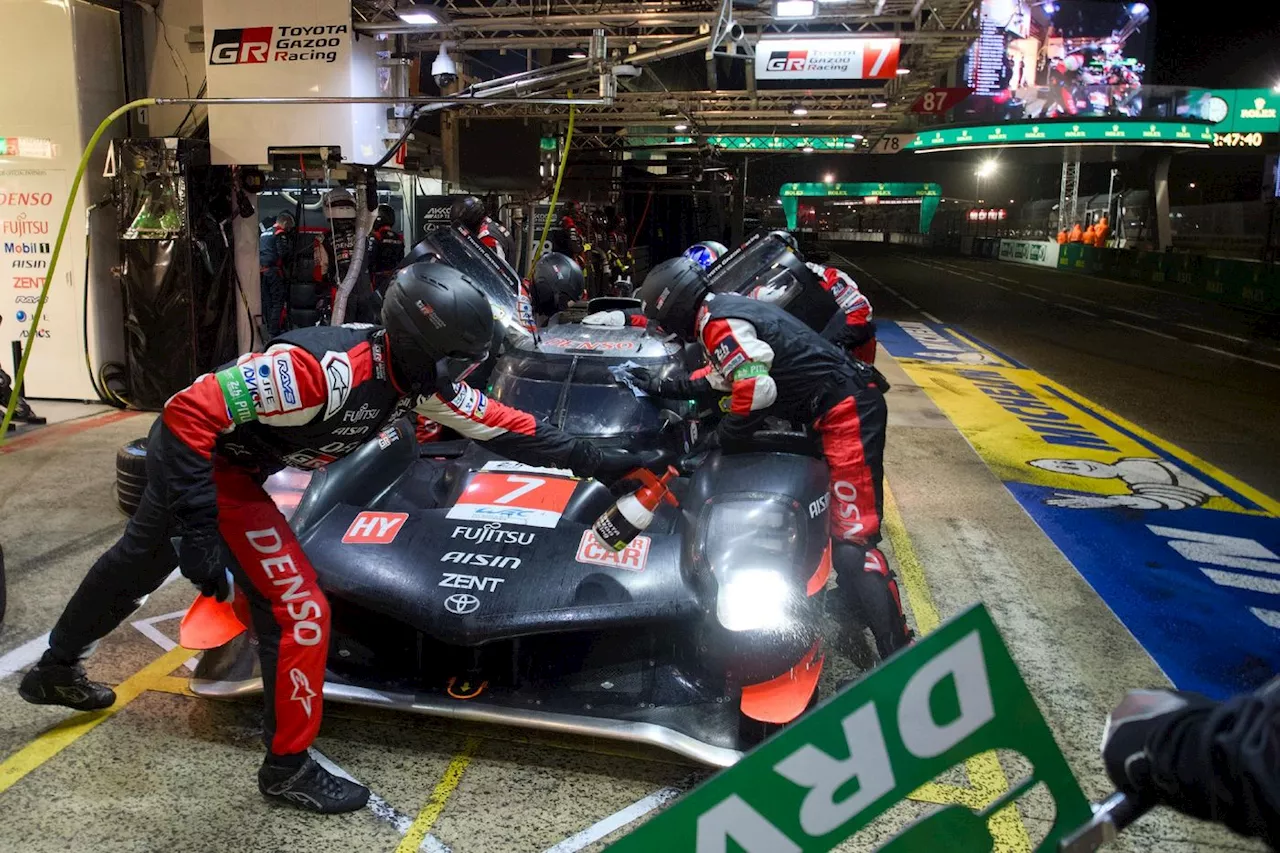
(706, 253)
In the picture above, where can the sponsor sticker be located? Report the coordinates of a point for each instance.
(633, 558)
(512, 465)
(387, 437)
(467, 400)
(462, 603)
(282, 365)
(237, 396)
(533, 501)
(337, 374)
(374, 528)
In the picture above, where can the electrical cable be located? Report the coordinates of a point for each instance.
(555, 194)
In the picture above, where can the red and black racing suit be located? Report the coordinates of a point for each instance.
(386, 251)
(497, 239)
(313, 397)
(772, 364)
(852, 329)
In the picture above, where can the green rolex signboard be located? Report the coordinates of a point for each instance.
(1062, 133)
(954, 694)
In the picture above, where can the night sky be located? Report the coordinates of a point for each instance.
(1193, 46)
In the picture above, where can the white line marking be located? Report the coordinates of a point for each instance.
(909, 302)
(1142, 329)
(17, 660)
(1001, 286)
(1033, 296)
(1006, 278)
(615, 821)
(1212, 332)
(1272, 365)
(381, 809)
(148, 629)
(23, 656)
(1083, 299)
(1135, 313)
(930, 317)
(1039, 288)
(1075, 309)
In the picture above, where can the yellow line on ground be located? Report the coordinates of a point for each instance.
(439, 798)
(986, 776)
(61, 736)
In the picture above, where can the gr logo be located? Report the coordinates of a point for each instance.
(240, 46)
(787, 60)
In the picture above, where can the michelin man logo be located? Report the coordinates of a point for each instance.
(1153, 483)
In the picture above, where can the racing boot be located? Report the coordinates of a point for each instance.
(53, 683)
(21, 412)
(308, 786)
(871, 590)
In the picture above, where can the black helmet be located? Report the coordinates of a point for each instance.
(386, 216)
(557, 281)
(437, 323)
(671, 294)
(468, 211)
(786, 237)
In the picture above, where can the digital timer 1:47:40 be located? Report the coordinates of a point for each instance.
(1238, 140)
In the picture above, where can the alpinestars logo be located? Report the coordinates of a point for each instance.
(302, 692)
(258, 45)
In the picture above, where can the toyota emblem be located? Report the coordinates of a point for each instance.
(461, 603)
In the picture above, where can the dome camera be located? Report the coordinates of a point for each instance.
(443, 69)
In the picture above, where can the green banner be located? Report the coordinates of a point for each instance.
(1065, 133)
(784, 143)
(954, 694)
(929, 195)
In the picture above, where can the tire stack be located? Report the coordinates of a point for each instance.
(131, 475)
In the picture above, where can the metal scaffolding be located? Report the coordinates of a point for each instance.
(1069, 194)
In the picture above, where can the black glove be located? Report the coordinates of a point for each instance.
(672, 387)
(203, 559)
(615, 464)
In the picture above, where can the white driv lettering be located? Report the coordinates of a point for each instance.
(733, 819)
(457, 581)
(306, 631)
(492, 561)
(868, 762)
(964, 663)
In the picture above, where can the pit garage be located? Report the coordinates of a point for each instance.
(242, 171)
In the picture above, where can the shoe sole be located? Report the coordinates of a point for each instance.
(40, 700)
(281, 800)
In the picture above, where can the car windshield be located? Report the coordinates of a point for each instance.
(575, 393)
(742, 266)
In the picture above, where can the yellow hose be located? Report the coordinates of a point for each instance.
(555, 194)
(53, 259)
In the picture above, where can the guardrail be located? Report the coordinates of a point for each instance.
(1230, 281)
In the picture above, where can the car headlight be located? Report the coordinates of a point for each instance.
(750, 544)
(753, 599)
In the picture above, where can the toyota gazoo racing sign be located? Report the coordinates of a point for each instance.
(827, 58)
(260, 45)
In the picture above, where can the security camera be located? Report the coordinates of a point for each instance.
(443, 69)
(735, 32)
(621, 71)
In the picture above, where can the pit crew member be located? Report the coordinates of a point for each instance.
(469, 212)
(852, 328)
(772, 364)
(312, 397)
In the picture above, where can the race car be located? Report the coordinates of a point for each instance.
(468, 586)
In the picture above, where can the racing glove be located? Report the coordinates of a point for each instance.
(202, 557)
(672, 387)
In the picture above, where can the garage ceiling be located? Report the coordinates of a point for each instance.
(716, 97)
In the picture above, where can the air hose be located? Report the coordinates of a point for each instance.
(57, 250)
(555, 194)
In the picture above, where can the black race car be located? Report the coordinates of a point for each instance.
(468, 586)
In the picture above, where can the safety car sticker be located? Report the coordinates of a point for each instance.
(633, 558)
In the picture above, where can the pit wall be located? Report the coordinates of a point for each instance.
(1239, 283)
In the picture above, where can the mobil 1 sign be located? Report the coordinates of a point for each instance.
(953, 695)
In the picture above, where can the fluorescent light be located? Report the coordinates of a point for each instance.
(417, 15)
(828, 178)
(795, 124)
(849, 145)
(855, 136)
(808, 149)
(902, 71)
(879, 105)
(681, 126)
(798, 110)
(794, 8)
(577, 54)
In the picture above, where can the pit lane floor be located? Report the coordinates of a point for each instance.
(167, 771)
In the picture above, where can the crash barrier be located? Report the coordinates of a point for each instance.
(895, 237)
(1245, 284)
(1042, 253)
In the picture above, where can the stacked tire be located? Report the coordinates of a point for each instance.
(131, 475)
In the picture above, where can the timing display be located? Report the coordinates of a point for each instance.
(1241, 140)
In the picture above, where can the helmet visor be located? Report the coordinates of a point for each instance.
(458, 366)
